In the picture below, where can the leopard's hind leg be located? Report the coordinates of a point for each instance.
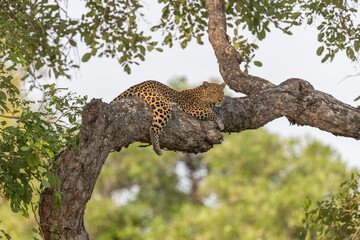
(161, 115)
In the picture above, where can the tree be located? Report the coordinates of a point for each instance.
(39, 36)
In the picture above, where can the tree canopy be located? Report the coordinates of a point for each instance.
(49, 151)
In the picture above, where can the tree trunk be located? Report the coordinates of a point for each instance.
(106, 127)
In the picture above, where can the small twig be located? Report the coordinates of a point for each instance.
(62, 9)
(13, 117)
(10, 156)
(349, 76)
(48, 121)
(101, 19)
(36, 219)
(356, 233)
(52, 122)
(104, 13)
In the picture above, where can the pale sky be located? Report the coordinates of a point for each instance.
(282, 56)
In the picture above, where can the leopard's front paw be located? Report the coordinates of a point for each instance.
(220, 124)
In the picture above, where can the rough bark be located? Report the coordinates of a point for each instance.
(227, 56)
(106, 127)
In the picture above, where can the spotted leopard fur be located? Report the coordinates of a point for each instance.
(197, 102)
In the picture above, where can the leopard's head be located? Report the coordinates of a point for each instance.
(213, 93)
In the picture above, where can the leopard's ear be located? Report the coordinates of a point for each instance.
(206, 84)
(223, 84)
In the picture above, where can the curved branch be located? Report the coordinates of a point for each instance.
(228, 58)
(295, 98)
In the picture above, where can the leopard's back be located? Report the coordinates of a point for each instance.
(151, 91)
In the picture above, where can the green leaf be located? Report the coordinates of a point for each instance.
(350, 53)
(31, 160)
(261, 35)
(320, 50)
(357, 46)
(57, 201)
(258, 63)
(50, 153)
(45, 183)
(24, 148)
(325, 58)
(14, 58)
(183, 44)
(2, 95)
(198, 39)
(52, 178)
(127, 69)
(86, 57)
(307, 202)
(72, 43)
(236, 45)
(295, 15)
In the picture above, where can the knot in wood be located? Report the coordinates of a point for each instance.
(297, 84)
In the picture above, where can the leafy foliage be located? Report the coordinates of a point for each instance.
(337, 27)
(183, 21)
(30, 148)
(3, 234)
(41, 33)
(335, 218)
(36, 34)
(250, 21)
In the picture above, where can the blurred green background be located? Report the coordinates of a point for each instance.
(252, 186)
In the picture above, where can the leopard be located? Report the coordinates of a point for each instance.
(197, 102)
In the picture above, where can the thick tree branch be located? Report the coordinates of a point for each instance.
(297, 100)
